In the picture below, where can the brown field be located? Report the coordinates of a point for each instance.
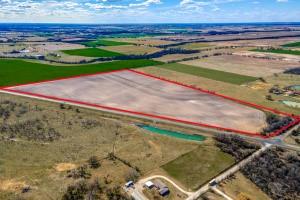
(131, 91)
(197, 45)
(263, 42)
(246, 93)
(132, 49)
(243, 65)
(270, 56)
(239, 186)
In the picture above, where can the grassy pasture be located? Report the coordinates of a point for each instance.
(198, 166)
(97, 43)
(279, 51)
(19, 71)
(91, 52)
(293, 44)
(210, 73)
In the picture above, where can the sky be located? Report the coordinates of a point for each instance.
(149, 11)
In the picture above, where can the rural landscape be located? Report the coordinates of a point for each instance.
(167, 111)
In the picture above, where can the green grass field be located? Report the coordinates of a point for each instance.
(14, 72)
(293, 44)
(210, 73)
(281, 51)
(91, 52)
(97, 43)
(198, 166)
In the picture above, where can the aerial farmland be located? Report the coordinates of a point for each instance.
(149, 112)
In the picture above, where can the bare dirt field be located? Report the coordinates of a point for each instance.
(243, 65)
(270, 56)
(128, 90)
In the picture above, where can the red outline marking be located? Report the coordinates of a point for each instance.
(273, 134)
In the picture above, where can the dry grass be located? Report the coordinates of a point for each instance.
(240, 186)
(243, 65)
(34, 163)
(61, 167)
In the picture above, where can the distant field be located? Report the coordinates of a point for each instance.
(92, 52)
(210, 73)
(19, 71)
(97, 43)
(196, 46)
(257, 96)
(280, 51)
(132, 49)
(243, 65)
(293, 44)
(198, 166)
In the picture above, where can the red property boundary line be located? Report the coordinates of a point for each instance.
(276, 133)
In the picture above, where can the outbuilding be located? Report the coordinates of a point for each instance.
(164, 191)
(149, 184)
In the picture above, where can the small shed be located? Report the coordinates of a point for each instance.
(159, 184)
(164, 191)
(149, 184)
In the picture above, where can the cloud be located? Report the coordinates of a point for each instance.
(282, 1)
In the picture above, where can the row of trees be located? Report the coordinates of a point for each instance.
(276, 122)
(235, 146)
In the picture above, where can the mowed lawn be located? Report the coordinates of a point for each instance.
(14, 72)
(195, 168)
(210, 73)
(293, 44)
(97, 43)
(92, 52)
(280, 51)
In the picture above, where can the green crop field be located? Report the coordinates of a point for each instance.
(281, 51)
(198, 166)
(97, 43)
(293, 44)
(14, 72)
(210, 73)
(91, 52)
